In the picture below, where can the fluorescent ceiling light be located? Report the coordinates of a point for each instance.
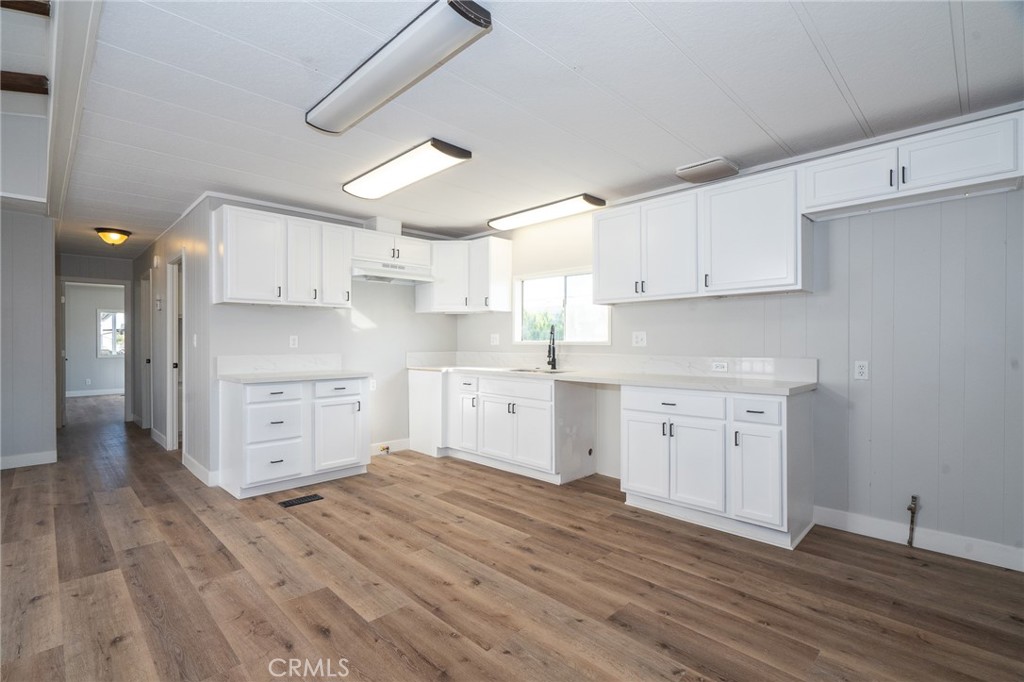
(440, 32)
(541, 214)
(433, 156)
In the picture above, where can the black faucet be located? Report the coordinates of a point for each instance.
(552, 363)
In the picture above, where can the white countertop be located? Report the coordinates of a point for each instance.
(292, 375)
(729, 384)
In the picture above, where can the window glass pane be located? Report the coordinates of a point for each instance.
(584, 321)
(111, 333)
(543, 300)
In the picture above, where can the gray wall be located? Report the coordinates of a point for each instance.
(27, 350)
(72, 266)
(931, 296)
(106, 375)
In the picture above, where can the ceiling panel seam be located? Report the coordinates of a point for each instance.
(956, 27)
(830, 64)
(718, 82)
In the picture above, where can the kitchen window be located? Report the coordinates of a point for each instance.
(565, 301)
(110, 333)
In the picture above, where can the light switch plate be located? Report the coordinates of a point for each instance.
(293, 342)
(495, 339)
(373, 384)
(719, 366)
(639, 339)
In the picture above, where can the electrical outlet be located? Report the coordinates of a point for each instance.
(719, 366)
(495, 339)
(195, 340)
(639, 338)
(293, 342)
(860, 370)
(373, 384)
(88, 382)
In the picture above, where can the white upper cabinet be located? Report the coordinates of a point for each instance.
(750, 233)
(384, 247)
(263, 257)
(469, 277)
(938, 163)
(250, 256)
(647, 250)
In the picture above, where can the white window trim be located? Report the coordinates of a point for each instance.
(99, 334)
(517, 308)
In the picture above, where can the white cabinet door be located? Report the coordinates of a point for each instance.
(645, 453)
(617, 255)
(533, 434)
(449, 292)
(698, 463)
(372, 245)
(490, 274)
(496, 433)
(465, 436)
(336, 425)
(254, 256)
(412, 251)
(749, 232)
(756, 487)
(968, 152)
(669, 246)
(336, 266)
(303, 261)
(851, 177)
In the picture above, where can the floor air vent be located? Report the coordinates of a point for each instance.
(300, 500)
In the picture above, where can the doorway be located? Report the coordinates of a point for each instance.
(175, 369)
(144, 354)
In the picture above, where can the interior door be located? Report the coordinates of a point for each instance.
(62, 360)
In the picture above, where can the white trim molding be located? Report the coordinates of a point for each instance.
(208, 477)
(92, 392)
(393, 445)
(28, 459)
(158, 437)
(985, 551)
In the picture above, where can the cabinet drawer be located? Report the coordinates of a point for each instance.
(757, 411)
(265, 393)
(464, 383)
(274, 461)
(534, 390)
(336, 388)
(673, 402)
(273, 422)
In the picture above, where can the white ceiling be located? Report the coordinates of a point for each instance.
(561, 98)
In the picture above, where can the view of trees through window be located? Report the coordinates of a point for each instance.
(110, 333)
(565, 301)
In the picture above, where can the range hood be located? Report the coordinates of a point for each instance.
(374, 271)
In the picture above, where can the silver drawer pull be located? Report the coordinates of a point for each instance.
(276, 461)
(755, 411)
(277, 393)
(278, 422)
(669, 404)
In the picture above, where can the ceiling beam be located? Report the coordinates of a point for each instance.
(40, 7)
(14, 81)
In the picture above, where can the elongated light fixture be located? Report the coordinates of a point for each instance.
(440, 32)
(423, 160)
(580, 203)
(113, 236)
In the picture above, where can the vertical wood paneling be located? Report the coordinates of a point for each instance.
(916, 361)
(793, 323)
(828, 340)
(860, 291)
(985, 342)
(950, 500)
(773, 326)
(1013, 401)
(882, 426)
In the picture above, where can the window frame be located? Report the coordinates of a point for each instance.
(517, 308)
(100, 312)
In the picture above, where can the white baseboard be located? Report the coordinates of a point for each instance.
(199, 471)
(394, 445)
(985, 551)
(96, 391)
(160, 438)
(28, 459)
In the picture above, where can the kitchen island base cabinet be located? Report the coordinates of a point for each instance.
(736, 463)
(278, 436)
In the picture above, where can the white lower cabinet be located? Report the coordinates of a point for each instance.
(289, 434)
(736, 462)
(538, 428)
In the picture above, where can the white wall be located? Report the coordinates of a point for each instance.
(105, 375)
(375, 335)
(28, 396)
(930, 295)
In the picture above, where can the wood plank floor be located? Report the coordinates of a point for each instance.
(117, 564)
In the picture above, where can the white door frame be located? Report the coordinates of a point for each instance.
(145, 350)
(175, 270)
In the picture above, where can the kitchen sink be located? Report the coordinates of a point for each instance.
(538, 370)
